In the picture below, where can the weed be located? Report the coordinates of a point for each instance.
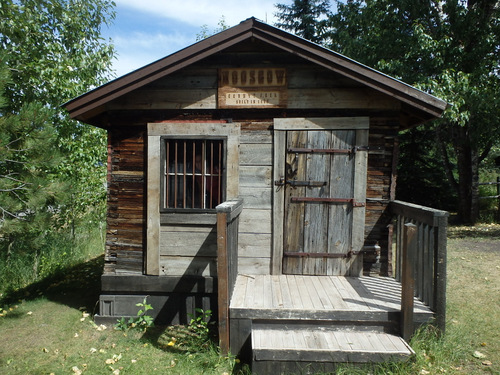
(141, 322)
(200, 323)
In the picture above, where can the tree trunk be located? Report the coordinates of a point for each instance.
(468, 176)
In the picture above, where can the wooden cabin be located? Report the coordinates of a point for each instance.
(253, 174)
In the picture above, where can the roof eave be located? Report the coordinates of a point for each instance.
(91, 102)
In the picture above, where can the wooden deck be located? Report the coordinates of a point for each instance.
(344, 298)
(302, 324)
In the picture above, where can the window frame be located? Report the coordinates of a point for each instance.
(155, 219)
(222, 172)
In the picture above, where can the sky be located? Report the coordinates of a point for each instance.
(147, 30)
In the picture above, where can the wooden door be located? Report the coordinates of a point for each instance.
(324, 187)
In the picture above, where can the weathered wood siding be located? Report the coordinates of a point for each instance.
(190, 248)
(380, 189)
(125, 236)
(256, 190)
(309, 87)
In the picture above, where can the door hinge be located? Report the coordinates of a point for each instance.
(296, 183)
(328, 200)
(302, 254)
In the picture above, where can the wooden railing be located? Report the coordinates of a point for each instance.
(420, 263)
(227, 263)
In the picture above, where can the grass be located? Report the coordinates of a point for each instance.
(60, 250)
(45, 329)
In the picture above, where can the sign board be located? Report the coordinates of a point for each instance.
(252, 87)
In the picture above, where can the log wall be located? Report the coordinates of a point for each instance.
(126, 205)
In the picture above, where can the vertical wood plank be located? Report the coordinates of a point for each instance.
(222, 276)
(153, 207)
(408, 282)
(390, 234)
(340, 218)
(431, 269)
(440, 278)
(278, 202)
(358, 220)
(316, 214)
(294, 212)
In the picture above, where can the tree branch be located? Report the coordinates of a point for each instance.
(485, 152)
(446, 161)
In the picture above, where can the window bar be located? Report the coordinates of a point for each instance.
(184, 178)
(203, 161)
(166, 176)
(219, 185)
(211, 173)
(175, 175)
(193, 173)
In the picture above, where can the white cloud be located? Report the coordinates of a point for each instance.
(206, 12)
(147, 30)
(145, 48)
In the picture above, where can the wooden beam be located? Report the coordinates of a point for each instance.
(153, 207)
(322, 123)
(408, 281)
(223, 277)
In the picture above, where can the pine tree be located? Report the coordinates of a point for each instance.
(305, 18)
(28, 152)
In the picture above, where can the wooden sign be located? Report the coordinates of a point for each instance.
(252, 87)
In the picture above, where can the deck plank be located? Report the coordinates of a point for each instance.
(277, 292)
(322, 293)
(307, 303)
(350, 295)
(240, 292)
(250, 293)
(267, 292)
(334, 295)
(313, 292)
(294, 291)
(285, 293)
(363, 293)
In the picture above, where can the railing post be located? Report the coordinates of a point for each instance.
(407, 280)
(227, 264)
(440, 282)
(223, 282)
(498, 195)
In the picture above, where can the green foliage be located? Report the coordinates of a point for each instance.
(21, 264)
(448, 48)
(54, 48)
(205, 33)
(200, 324)
(28, 153)
(306, 18)
(421, 173)
(52, 52)
(141, 322)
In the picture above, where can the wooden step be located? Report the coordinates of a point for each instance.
(273, 348)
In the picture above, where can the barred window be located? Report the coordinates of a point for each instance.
(192, 173)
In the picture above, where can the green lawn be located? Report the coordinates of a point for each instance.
(45, 329)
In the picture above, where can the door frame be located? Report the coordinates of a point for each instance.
(281, 126)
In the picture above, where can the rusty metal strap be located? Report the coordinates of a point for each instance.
(299, 150)
(321, 255)
(328, 200)
(319, 151)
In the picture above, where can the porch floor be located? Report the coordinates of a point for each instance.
(319, 297)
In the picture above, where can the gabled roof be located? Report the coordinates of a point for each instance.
(91, 104)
